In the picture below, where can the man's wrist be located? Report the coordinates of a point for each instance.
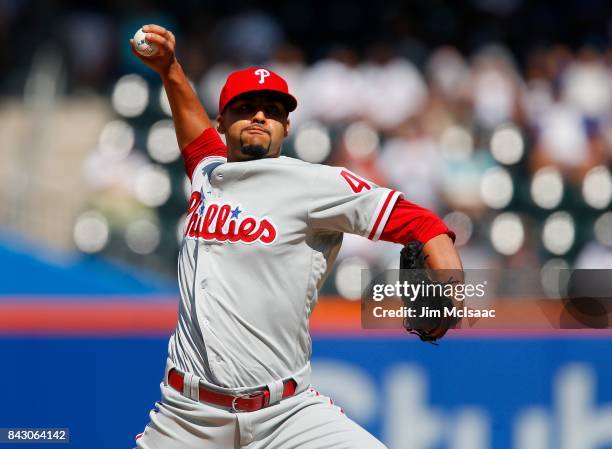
(174, 73)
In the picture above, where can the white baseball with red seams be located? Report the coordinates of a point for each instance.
(143, 46)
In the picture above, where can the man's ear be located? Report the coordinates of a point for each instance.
(287, 126)
(220, 124)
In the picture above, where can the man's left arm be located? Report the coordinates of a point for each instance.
(345, 202)
(440, 253)
(409, 222)
(428, 244)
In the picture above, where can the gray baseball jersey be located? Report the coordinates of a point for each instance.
(260, 237)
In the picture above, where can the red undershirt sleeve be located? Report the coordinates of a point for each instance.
(409, 222)
(207, 144)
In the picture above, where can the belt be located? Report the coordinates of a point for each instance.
(238, 403)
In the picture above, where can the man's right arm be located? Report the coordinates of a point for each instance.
(195, 135)
(189, 116)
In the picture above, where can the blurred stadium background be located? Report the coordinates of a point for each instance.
(496, 114)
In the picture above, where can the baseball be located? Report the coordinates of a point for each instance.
(141, 44)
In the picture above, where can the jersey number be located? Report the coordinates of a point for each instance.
(356, 183)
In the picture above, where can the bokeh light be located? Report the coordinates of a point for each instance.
(496, 187)
(461, 224)
(348, 277)
(507, 233)
(361, 140)
(312, 143)
(507, 146)
(603, 229)
(456, 143)
(130, 95)
(547, 187)
(116, 139)
(161, 142)
(142, 236)
(558, 233)
(551, 279)
(152, 186)
(91, 232)
(597, 187)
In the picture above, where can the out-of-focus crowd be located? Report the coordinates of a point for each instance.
(518, 162)
(515, 155)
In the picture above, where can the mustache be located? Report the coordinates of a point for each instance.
(260, 128)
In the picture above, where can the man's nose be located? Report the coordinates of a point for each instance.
(259, 116)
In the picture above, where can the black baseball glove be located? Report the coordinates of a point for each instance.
(431, 301)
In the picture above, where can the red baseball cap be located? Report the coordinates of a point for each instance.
(255, 79)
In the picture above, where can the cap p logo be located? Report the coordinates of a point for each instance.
(254, 79)
(263, 74)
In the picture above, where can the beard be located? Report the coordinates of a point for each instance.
(254, 150)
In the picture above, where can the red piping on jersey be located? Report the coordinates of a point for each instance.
(381, 214)
(409, 222)
(207, 144)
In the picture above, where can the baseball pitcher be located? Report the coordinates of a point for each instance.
(261, 234)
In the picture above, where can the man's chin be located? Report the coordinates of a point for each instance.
(254, 151)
